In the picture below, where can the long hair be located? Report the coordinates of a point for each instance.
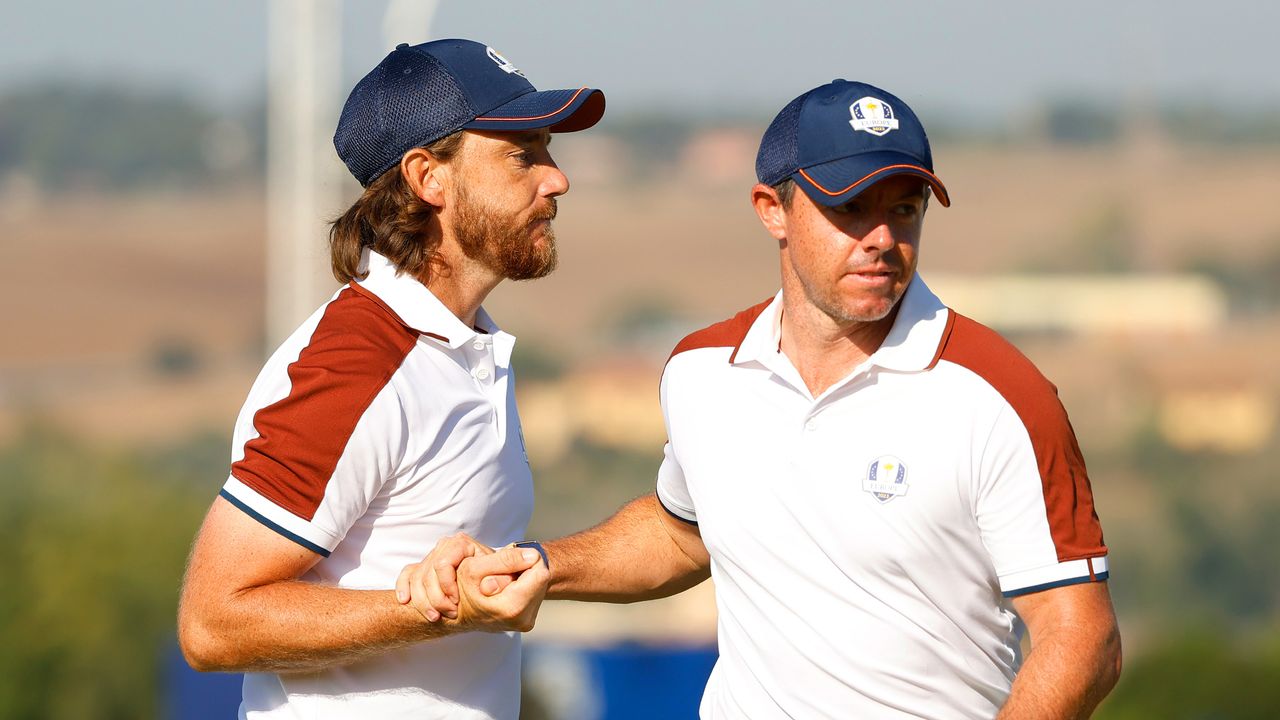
(392, 220)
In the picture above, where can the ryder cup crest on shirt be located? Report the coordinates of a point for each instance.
(872, 115)
(886, 478)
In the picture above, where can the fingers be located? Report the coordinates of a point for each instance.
(496, 571)
(500, 602)
(494, 584)
(448, 555)
(431, 585)
(510, 560)
(404, 591)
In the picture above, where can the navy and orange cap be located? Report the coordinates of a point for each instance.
(843, 137)
(421, 93)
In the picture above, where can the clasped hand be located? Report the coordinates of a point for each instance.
(476, 587)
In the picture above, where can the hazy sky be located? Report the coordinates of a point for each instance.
(974, 57)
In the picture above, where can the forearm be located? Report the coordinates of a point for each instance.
(295, 626)
(1065, 675)
(638, 554)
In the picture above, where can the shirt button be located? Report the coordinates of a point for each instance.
(478, 345)
(482, 374)
(811, 425)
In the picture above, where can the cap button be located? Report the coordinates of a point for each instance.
(402, 46)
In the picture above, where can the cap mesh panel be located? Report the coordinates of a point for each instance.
(408, 101)
(778, 155)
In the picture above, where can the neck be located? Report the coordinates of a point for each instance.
(825, 350)
(460, 283)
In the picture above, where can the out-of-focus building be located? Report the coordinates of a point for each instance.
(1087, 304)
(611, 404)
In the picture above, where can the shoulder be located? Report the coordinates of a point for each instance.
(724, 334)
(1001, 366)
(987, 354)
(357, 325)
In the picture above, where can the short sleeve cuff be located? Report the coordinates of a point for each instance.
(277, 518)
(1070, 572)
(677, 511)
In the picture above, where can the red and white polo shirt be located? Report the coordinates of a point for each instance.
(864, 543)
(380, 426)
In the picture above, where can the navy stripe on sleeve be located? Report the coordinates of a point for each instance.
(262, 519)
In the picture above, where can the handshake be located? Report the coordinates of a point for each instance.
(471, 586)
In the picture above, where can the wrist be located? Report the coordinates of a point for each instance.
(536, 546)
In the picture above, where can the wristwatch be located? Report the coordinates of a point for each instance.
(536, 546)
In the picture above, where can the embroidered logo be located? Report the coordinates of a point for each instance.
(886, 478)
(502, 62)
(872, 115)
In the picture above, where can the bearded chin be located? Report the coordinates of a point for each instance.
(526, 260)
(506, 246)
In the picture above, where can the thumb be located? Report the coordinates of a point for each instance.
(507, 561)
(493, 584)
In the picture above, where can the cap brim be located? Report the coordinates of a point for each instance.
(839, 181)
(560, 110)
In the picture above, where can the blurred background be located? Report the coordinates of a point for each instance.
(165, 175)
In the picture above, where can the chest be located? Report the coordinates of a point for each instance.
(463, 466)
(878, 477)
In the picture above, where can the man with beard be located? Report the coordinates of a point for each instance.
(387, 420)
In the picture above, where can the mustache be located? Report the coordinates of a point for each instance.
(547, 213)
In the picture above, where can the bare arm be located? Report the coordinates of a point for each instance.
(243, 608)
(1075, 653)
(641, 553)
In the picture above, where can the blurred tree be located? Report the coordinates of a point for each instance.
(1221, 122)
(1077, 121)
(1253, 286)
(1201, 676)
(536, 362)
(109, 139)
(587, 485)
(96, 541)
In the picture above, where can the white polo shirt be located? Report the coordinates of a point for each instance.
(864, 543)
(380, 426)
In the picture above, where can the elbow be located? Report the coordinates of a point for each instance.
(200, 650)
(1111, 661)
(204, 649)
(1115, 659)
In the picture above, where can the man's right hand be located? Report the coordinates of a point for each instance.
(475, 586)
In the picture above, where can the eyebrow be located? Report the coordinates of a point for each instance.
(529, 137)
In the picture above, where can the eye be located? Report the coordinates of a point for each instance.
(849, 208)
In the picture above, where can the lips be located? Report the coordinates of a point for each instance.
(874, 276)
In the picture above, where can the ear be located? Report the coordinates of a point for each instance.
(426, 175)
(768, 207)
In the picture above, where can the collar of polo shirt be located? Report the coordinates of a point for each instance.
(422, 311)
(911, 345)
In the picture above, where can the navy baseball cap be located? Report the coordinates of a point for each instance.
(843, 137)
(421, 93)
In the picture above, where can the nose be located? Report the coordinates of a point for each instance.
(879, 237)
(555, 183)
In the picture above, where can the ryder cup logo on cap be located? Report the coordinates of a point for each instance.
(421, 93)
(873, 115)
(810, 142)
(503, 63)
